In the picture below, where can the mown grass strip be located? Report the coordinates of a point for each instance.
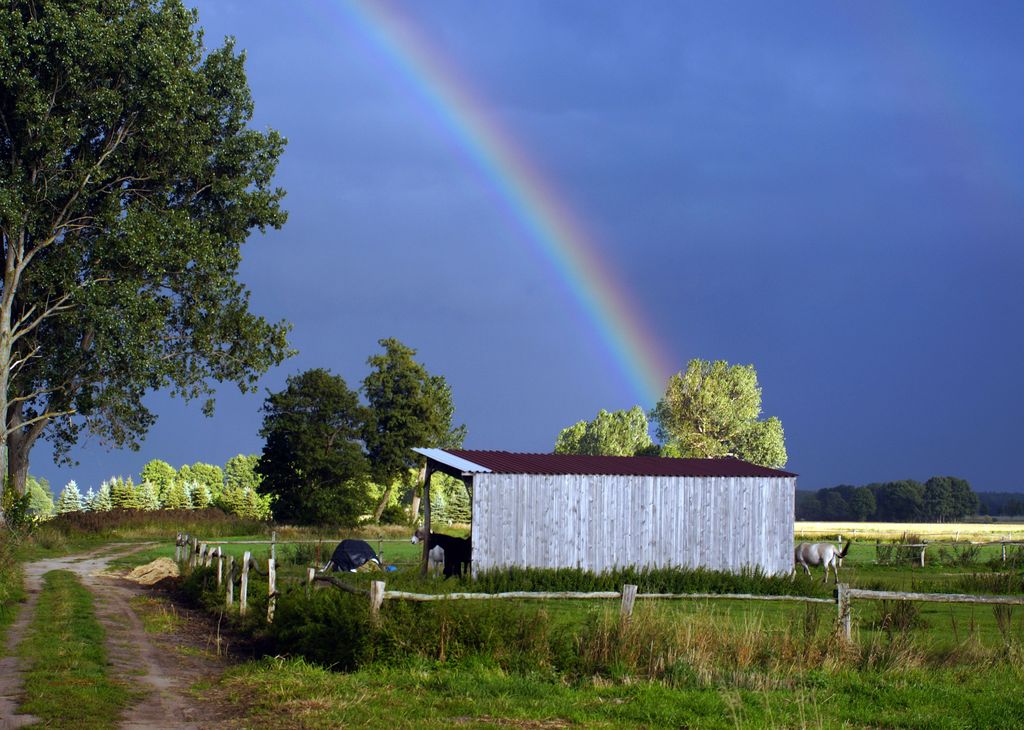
(67, 683)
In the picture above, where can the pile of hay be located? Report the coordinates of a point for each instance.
(154, 572)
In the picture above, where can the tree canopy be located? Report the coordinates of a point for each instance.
(129, 179)
(407, 407)
(618, 433)
(313, 462)
(712, 410)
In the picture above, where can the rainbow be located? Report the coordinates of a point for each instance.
(552, 227)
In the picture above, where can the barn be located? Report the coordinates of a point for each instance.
(603, 512)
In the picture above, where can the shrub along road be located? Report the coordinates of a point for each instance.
(159, 669)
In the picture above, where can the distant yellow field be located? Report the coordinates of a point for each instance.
(931, 530)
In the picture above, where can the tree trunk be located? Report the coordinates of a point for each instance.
(414, 512)
(383, 503)
(19, 444)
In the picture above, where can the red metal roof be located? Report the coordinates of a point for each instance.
(507, 462)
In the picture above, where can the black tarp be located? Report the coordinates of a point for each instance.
(350, 554)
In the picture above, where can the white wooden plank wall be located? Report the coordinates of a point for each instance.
(601, 522)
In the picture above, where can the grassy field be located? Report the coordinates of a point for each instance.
(681, 663)
(894, 530)
(278, 693)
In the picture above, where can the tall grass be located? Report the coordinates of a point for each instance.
(77, 527)
(12, 589)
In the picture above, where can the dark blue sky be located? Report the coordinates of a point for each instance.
(832, 192)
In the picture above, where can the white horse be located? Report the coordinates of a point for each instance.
(819, 553)
(435, 558)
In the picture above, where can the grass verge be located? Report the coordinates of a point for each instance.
(290, 693)
(12, 585)
(67, 683)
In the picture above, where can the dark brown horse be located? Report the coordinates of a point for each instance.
(457, 550)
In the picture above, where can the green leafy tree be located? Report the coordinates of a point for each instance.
(102, 501)
(178, 496)
(70, 499)
(201, 498)
(712, 410)
(619, 433)
(241, 483)
(240, 472)
(160, 474)
(313, 462)
(862, 504)
(210, 475)
(122, 494)
(40, 501)
(408, 407)
(899, 501)
(949, 498)
(147, 497)
(937, 500)
(129, 178)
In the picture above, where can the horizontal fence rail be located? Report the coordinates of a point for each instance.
(193, 553)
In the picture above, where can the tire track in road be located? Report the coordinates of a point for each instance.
(135, 657)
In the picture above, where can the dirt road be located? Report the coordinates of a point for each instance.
(163, 666)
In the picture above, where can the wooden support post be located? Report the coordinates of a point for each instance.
(427, 473)
(209, 557)
(273, 545)
(271, 589)
(923, 548)
(628, 598)
(186, 548)
(231, 582)
(220, 566)
(195, 552)
(310, 574)
(843, 608)
(177, 548)
(243, 594)
(376, 599)
(1004, 552)
(201, 555)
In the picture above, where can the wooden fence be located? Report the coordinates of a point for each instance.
(194, 553)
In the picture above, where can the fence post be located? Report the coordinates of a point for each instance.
(628, 597)
(243, 594)
(843, 608)
(177, 548)
(195, 552)
(186, 549)
(220, 566)
(273, 545)
(1004, 552)
(271, 589)
(310, 574)
(376, 599)
(209, 557)
(923, 548)
(231, 581)
(201, 555)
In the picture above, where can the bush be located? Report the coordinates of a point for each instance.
(394, 514)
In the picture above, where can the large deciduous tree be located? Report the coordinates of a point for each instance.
(619, 433)
(712, 410)
(313, 461)
(129, 178)
(407, 407)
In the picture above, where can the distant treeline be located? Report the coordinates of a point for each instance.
(1006, 504)
(940, 499)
